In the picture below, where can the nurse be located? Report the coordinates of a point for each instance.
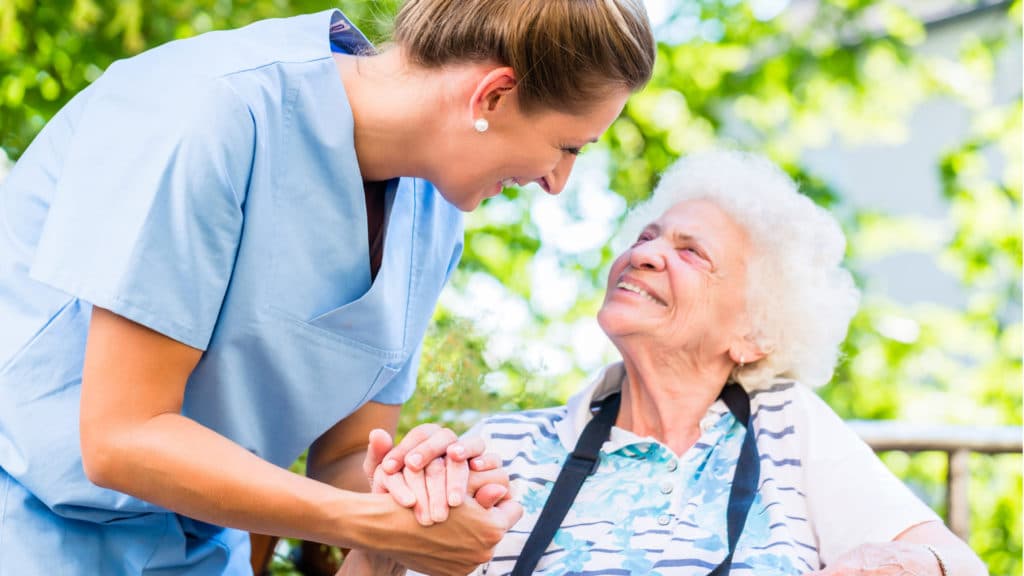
(226, 250)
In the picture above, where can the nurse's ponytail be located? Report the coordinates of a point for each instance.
(567, 54)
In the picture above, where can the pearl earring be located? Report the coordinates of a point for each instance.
(742, 360)
(481, 125)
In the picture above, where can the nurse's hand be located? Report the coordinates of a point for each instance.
(444, 483)
(455, 547)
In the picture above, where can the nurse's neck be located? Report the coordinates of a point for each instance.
(403, 114)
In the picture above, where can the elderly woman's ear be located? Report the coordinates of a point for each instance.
(746, 352)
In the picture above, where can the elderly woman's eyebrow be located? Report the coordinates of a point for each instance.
(653, 227)
(683, 238)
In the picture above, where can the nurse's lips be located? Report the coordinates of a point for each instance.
(506, 183)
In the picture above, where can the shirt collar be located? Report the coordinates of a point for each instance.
(347, 38)
(607, 382)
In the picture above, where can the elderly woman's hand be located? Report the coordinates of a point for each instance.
(884, 559)
(361, 563)
(444, 482)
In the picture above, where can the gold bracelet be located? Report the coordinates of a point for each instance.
(938, 558)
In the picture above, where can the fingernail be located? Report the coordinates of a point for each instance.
(454, 498)
(478, 462)
(459, 451)
(390, 465)
(414, 459)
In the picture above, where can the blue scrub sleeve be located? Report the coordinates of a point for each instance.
(147, 213)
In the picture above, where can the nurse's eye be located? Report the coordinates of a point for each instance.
(574, 150)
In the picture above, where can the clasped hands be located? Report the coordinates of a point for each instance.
(431, 471)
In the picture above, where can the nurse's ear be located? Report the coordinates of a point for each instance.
(494, 92)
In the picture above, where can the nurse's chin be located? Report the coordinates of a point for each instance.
(469, 204)
(461, 199)
(473, 202)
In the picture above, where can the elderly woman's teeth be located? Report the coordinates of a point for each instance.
(508, 182)
(638, 290)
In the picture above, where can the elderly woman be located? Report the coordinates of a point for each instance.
(704, 451)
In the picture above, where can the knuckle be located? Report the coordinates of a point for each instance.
(481, 556)
(428, 429)
(492, 536)
(418, 434)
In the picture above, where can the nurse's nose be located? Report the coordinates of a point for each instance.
(554, 182)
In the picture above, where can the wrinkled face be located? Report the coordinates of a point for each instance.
(682, 285)
(518, 149)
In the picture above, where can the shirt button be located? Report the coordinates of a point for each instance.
(706, 425)
(664, 519)
(672, 465)
(666, 487)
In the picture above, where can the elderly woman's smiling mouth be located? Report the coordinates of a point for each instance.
(631, 284)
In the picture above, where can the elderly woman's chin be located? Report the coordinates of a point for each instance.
(619, 319)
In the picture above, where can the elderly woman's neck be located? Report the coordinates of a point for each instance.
(668, 402)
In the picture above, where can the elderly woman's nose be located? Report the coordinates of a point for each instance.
(647, 255)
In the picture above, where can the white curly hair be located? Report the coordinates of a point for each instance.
(799, 297)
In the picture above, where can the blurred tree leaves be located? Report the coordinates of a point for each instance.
(49, 50)
(728, 72)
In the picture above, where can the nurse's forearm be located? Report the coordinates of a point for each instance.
(176, 463)
(336, 457)
(345, 473)
(134, 439)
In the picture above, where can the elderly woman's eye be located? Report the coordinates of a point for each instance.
(695, 251)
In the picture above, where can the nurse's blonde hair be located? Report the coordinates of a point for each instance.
(567, 54)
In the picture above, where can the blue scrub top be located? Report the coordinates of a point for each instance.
(208, 189)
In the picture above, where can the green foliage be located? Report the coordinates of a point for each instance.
(838, 70)
(49, 50)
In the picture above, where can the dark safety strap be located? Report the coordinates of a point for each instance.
(584, 461)
(581, 463)
(747, 475)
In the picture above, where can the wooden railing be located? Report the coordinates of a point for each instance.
(956, 441)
